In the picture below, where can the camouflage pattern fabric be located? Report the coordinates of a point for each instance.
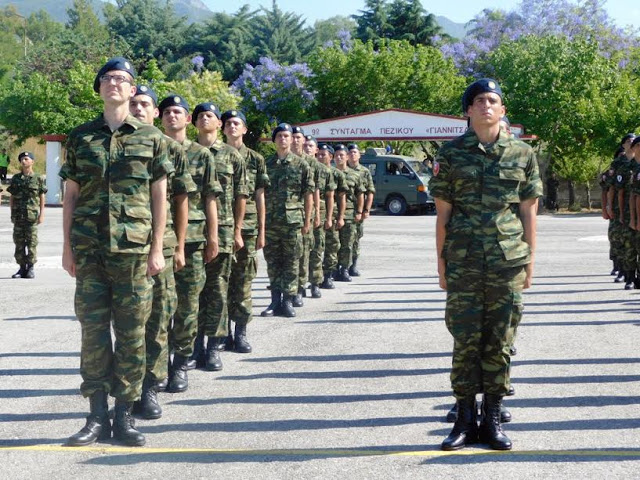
(348, 233)
(332, 237)
(26, 191)
(625, 236)
(325, 184)
(244, 268)
(369, 187)
(308, 239)
(214, 315)
(25, 239)
(257, 178)
(291, 178)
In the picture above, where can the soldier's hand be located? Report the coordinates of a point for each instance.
(442, 281)
(178, 260)
(305, 229)
(210, 251)
(328, 223)
(155, 263)
(69, 261)
(260, 241)
(365, 215)
(528, 281)
(340, 223)
(317, 221)
(40, 219)
(238, 242)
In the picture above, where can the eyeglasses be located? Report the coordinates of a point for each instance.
(117, 79)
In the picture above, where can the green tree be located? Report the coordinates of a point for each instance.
(411, 22)
(373, 21)
(328, 30)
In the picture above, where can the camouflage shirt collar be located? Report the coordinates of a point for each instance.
(130, 120)
(470, 138)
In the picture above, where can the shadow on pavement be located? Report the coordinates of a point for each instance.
(347, 357)
(555, 456)
(342, 374)
(562, 402)
(39, 354)
(20, 393)
(50, 317)
(373, 320)
(40, 371)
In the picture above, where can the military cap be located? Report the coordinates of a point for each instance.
(353, 146)
(635, 142)
(484, 85)
(297, 130)
(628, 136)
(26, 154)
(173, 100)
(204, 107)
(324, 146)
(283, 127)
(310, 138)
(115, 63)
(340, 146)
(148, 91)
(233, 114)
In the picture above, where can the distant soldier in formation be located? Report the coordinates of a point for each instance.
(369, 192)
(332, 236)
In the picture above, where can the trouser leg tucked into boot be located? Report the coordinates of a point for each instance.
(124, 426)
(465, 430)
(629, 276)
(98, 426)
(274, 306)
(296, 300)
(148, 407)
(199, 354)
(22, 271)
(241, 343)
(178, 378)
(286, 309)
(315, 291)
(353, 269)
(343, 274)
(490, 427)
(214, 362)
(328, 282)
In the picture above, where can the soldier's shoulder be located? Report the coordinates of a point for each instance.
(143, 130)
(86, 128)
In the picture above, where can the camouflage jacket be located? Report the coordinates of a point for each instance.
(115, 171)
(622, 182)
(341, 186)
(25, 191)
(256, 178)
(325, 184)
(201, 166)
(484, 187)
(355, 187)
(291, 179)
(367, 179)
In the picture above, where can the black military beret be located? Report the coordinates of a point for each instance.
(115, 63)
(340, 146)
(628, 136)
(353, 146)
(484, 85)
(283, 127)
(26, 154)
(173, 100)
(324, 146)
(233, 114)
(148, 91)
(204, 107)
(310, 138)
(635, 142)
(297, 130)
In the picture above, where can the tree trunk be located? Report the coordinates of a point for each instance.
(588, 188)
(572, 192)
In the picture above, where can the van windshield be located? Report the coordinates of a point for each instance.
(420, 168)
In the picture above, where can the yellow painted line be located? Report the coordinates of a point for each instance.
(321, 452)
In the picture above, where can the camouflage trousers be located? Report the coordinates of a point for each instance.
(316, 255)
(627, 255)
(612, 251)
(214, 315)
(243, 270)
(112, 289)
(347, 236)
(356, 242)
(282, 253)
(303, 270)
(25, 238)
(331, 248)
(483, 310)
(189, 284)
(163, 307)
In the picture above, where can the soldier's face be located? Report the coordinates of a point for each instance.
(310, 148)
(143, 108)
(26, 161)
(324, 156)
(340, 158)
(283, 140)
(486, 109)
(354, 157)
(175, 119)
(234, 128)
(113, 92)
(207, 122)
(298, 142)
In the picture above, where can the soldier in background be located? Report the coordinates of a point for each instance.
(332, 235)
(370, 190)
(114, 216)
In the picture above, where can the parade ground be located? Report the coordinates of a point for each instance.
(356, 386)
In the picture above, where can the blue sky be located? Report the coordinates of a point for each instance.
(624, 12)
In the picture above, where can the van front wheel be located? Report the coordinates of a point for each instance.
(396, 205)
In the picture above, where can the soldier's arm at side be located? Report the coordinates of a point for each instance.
(71, 194)
(637, 202)
(610, 193)
(621, 204)
(211, 212)
(180, 221)
(443, 210)
(603, 201)
(528, 217)
(10, 202)
(359, 207)
(632, 210)
(41, 214)
(308, 206)
(239, 208)
(342, 206)
(260, 207)
(155, 262)
(328, 223)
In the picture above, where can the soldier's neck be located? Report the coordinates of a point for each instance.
(282, 153)
(487, 133)
(27, 171)
(206, 139)
(115, 115)
(179, 135)
(297, 152)
(234, 142)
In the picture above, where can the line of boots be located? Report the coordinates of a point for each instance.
(98, 425)
(466, 430)
(25, 271)
(281, 305)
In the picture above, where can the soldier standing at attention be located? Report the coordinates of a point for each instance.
(114, 215)
(213, 319)
(370, 190)
(486, 186)
(26, 203)
(245, 263)
(289, 201)
(144, 107)
(323, 221)
(611, 207)
(201, 243)
(332, 236)
(354, 201)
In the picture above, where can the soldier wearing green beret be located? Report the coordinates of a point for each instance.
(486, 186)
(114, 217)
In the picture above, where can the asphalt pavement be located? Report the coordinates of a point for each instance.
(356, 386)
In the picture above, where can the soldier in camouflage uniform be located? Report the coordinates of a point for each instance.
(610, 210)
(289, 201)
(144, 107)
(297, 148)
(354, 201)
(370, 190)
(26, 203)
(245, 264)
(201, 242)
(634, 203)
(326, 188)
(332, 235)
(486, 186)
(214, 315)
(114, 214)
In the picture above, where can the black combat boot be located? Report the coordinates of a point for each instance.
(214, 362)
(296, 300)
(490, 429)
(148, 407)
(452, 414)
(343, 274)
(315, 291)
(328, 282)
(178, 378)
(616, 269)
(161, 386)
(274, 306)
(512, 350)
(98, 426)
(124, 426)
(465, 430)
(29, 273)
(242, 344)
(21, 272)
(228, 343)
(353, 269)
(511, 392)
(628, 279)
(199, 354)
(286, 309)
(620, 276)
